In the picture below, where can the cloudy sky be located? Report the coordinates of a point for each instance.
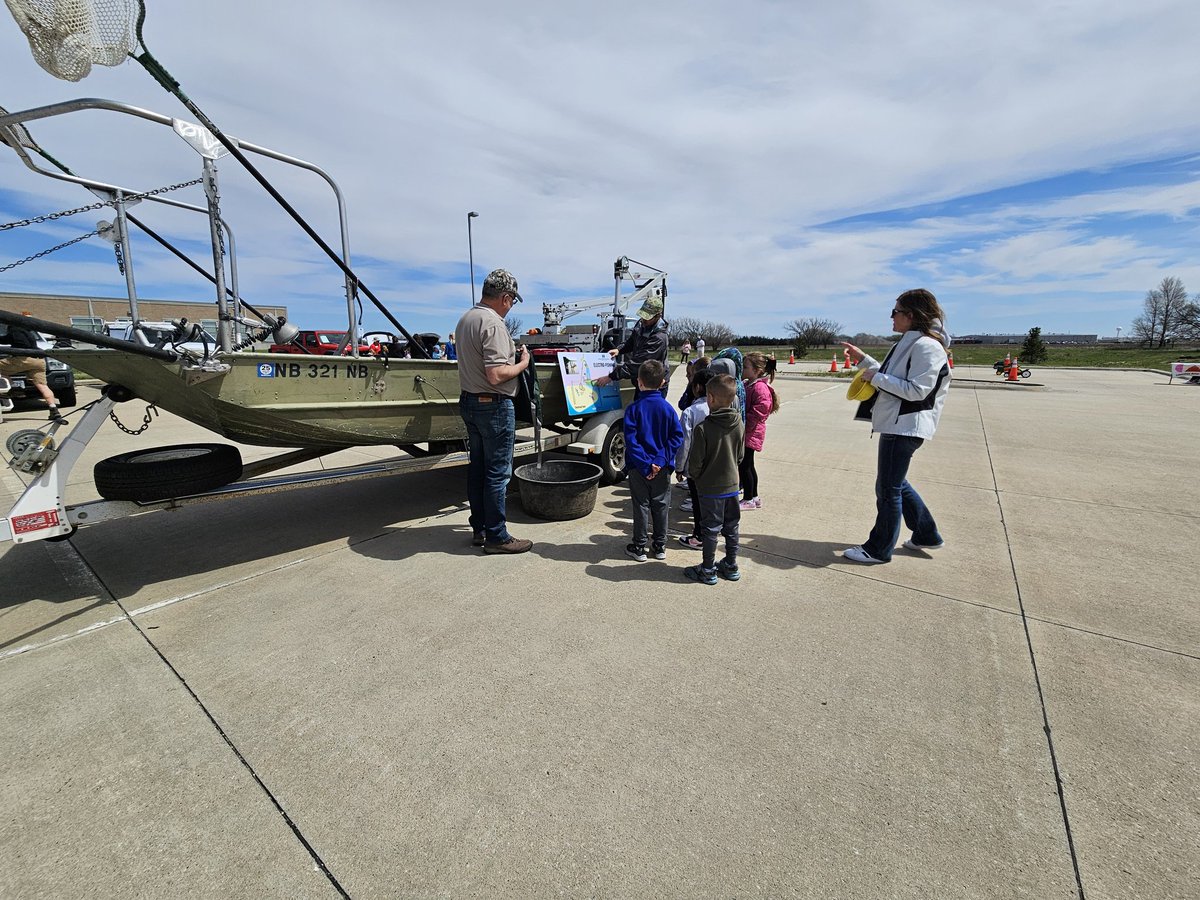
(1032, 163)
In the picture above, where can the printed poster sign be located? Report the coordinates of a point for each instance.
(579, 374)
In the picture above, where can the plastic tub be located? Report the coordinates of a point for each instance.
(558, 489)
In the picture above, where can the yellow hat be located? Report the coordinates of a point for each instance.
(859, 389)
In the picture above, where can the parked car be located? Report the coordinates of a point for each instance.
(321, 343)
(59, 375)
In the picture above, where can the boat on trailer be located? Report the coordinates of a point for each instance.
(313, 404)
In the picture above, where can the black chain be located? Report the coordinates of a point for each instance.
(22, 262)
(145, 421)
(120, 258)
(49, 217)
(216, 209)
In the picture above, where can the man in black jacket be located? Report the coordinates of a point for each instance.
(648, 340)
(31, 368)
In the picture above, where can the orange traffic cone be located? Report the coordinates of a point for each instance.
(792, 358)
(845, 361)
(1007, 360)
(1014, 371)
(950, 360)
(833, 365)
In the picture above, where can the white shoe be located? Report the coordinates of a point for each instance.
(686, 505)
(859, 555)
(913, 545)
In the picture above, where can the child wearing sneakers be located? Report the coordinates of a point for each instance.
(653, 436)
(692, 416)
(761, 401)
(718, 444)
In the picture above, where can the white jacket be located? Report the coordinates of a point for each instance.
(912, 383)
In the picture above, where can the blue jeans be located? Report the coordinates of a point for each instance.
(491, 426)
(895, 498)
(719, 516)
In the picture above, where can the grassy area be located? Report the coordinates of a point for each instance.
(1099, 355)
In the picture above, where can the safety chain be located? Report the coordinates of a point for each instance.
(37, 220)
(22, 262)
(216, 210)
(112, 414)
(120, 257)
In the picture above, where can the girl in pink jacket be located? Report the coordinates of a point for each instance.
(761, 401)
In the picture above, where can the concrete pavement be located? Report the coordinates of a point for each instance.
(329, 691)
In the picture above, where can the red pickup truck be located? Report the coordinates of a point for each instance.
(320, 343)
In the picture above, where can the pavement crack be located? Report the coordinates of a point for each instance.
(207, 713)
(1037, 680)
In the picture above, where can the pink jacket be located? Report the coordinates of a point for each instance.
(758, 406)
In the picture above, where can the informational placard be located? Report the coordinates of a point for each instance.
(579, 374)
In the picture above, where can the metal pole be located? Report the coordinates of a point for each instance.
(127, 257)
(224, 330)
(471, 253)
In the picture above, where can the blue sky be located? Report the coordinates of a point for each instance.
(1031, 165)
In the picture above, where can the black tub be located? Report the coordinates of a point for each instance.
(559, 489)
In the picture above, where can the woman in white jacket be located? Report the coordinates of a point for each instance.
(911, 385)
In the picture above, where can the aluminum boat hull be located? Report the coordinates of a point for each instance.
(286, 400)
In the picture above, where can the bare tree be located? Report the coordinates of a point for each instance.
(1165, 313)
(715, 334)
(513, 324)
(1189, 320)
(811, 332)
(685, 328)
(718, 335)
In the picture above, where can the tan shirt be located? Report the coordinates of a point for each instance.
(483, 340)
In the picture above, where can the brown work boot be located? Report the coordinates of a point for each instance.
(512, 545)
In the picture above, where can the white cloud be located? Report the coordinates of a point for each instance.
(710, 139)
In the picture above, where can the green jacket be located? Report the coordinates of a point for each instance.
(718, 445)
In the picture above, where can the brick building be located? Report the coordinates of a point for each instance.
(80, 312)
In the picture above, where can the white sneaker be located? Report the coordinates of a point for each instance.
(859, 555)
(913, 545)
(686, 505)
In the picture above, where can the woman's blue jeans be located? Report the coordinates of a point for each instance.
(895, 499)
(491, 425)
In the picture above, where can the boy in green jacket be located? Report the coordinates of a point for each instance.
(717, 447)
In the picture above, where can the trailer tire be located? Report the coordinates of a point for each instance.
(612, 454)
(158, 473)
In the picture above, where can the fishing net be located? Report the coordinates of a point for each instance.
(68, 37)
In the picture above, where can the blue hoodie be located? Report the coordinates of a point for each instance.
(653, 434)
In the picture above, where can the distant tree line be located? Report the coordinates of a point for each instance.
(758, 340)
(1168, 315)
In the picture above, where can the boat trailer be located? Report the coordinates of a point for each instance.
(41, 513)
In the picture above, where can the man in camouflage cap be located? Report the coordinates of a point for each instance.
(489, 364)
(648, 340)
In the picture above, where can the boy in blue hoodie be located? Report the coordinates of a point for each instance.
(653, 436)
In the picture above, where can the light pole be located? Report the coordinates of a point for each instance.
(471, 253)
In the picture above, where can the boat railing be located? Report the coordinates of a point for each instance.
(207, 146)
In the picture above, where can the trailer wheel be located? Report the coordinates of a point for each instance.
(612, 454)
(158, 473)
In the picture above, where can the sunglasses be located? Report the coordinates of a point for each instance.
(899, 312)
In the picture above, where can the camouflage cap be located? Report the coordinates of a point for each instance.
(500, 281)
(651, 308)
